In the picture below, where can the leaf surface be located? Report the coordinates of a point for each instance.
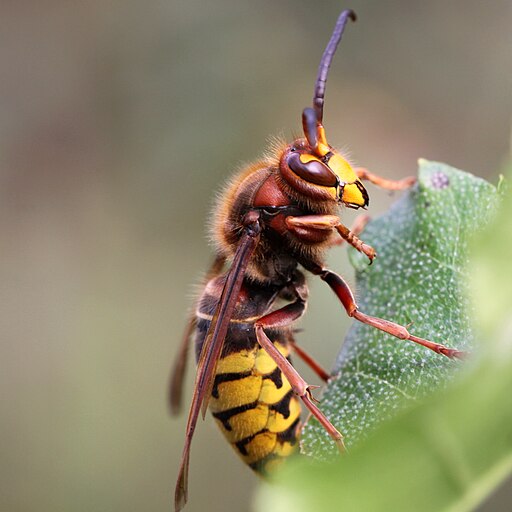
(448, 450)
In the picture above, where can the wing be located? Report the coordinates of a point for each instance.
(179, 367)
(180, 363)
(212, 347)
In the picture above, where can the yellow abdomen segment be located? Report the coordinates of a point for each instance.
(255, 407)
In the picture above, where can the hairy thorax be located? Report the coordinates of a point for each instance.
(261, 187)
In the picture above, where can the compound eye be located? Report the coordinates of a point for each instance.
(314, 171)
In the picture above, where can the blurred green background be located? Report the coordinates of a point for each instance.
(119, 121)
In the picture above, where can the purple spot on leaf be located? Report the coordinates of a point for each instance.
(439, 180)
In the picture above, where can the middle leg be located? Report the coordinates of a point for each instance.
(346, 297)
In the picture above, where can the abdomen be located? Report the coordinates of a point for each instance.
(252, 401)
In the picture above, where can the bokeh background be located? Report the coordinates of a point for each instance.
(119, 121)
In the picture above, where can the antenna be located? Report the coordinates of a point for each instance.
(325, 63)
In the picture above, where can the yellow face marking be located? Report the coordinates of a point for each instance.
(278, 423)
(264, 364)
(259, 447)
(342, 168)
(308, 157)
(239, 362)
(351, 192)
(235, 393)
(352, 195)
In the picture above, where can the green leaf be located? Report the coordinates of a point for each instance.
(448, 450)
(491, 290)
(418, 278)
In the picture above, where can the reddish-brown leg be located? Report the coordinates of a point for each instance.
(365, 174)
(356, 228)
(311, 223)
(344, 294)
(282, 318)
(352, 239)
(314, 365)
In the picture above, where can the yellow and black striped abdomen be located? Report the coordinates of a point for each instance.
(255, 407)
(252, 401)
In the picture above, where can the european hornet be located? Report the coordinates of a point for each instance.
(276, 215)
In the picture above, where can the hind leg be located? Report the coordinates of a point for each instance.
(282, 318)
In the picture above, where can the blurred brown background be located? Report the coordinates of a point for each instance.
(118, 123)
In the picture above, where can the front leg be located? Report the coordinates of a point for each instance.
(356, 228)
(306, 225)
(365, 174)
